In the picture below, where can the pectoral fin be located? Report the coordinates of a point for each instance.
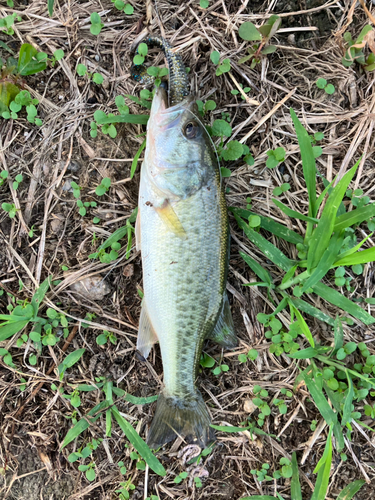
(146, 334)
(170, 219)
(223, 332)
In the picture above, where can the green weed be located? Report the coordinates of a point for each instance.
(252, 355)
(112, 243)
(236, 92)
(334, 378)
(23, 99)
(96, 24)
(108, 407)
(323, 469)
(262, 474)
(223, 67)
(220, 369)
(82, 206)
(104, 337)
(182, 475)
(17, 182)
(127, 8)
(261, 36)
(10, 208)
(7, 22)
(83, 71)
(29, 62)
(233, 150)
(206, 361)
(321, 83)
(275, 157)
(103, 186)
(355, 50)
(204, 107)
(3, 176)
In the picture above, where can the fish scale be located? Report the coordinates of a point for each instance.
(173, 269)
(183, 234)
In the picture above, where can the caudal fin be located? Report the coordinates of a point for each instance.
(175, 417)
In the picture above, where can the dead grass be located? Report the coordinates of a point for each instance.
(34, 422)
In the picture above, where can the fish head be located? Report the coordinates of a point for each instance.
(180, 156)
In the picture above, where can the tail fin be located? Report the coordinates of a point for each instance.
(178, 417)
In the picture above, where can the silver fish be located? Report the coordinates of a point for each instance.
(183, 234)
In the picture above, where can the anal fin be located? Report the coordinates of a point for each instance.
(223, 332)
(146, 333)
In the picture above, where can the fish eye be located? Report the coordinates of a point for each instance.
(191, 130)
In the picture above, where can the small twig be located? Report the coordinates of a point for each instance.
(268, 115)
(246, 97)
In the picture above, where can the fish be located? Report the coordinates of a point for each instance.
(182, 231)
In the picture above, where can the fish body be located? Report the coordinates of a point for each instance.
(183, 234)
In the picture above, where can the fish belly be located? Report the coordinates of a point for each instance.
(184, 280)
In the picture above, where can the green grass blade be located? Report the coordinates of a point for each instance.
(50, 7)
(137, 119)
(307, 353)
(361, 257)
(308, 162)
(250, 428)
(115, 236)
(10, 329)
(326, 262)
(339, 436)
(289, 275)
(354, 249)
(321, 485)
(302, 324)
(263, 274)
(295, 486)
(339, 300)
(293, 213)
(270, 225)
(138, 443)
(322, 233)
(349, 491)
(269, 250)
(69, 361)
(259, 497)
(136, 158)
(319, 399)
(134, 399)
(83, 424)
(354, 217)
(347, 409)
(322, 194)
(338, 335)
(312, 311)
(228, 428)
(140, 401)
(40, 293)
(325, 455)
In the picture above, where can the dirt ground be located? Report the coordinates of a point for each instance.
(35, 420)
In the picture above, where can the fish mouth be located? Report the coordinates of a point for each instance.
(160, 102)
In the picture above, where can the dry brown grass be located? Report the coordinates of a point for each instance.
(33, 422)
